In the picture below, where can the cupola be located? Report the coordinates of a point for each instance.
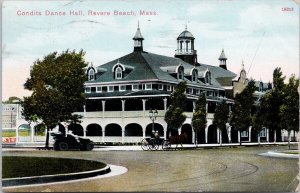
(185, 47)
(138, 40)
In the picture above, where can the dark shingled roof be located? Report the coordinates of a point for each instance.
(149, 66)
(186, 34)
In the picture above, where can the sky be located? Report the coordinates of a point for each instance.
(264, 34)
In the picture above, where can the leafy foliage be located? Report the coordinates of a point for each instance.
(268, 114)
(289, 110)
(241, 114)
(57, 89)
(199, 121)
(221, 115)
(175, 114)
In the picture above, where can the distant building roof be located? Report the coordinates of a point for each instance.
(222, 56)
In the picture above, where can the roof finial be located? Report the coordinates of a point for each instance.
(243, 64)
(118, 60)
(185, 26)
(138, 24)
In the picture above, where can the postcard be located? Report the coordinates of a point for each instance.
(148, 95)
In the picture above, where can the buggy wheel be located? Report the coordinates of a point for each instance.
(144, 145)
(153, 144)
(63, 146)
(166, 145)
(89, 146)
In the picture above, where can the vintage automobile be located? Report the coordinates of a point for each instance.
(69, 141)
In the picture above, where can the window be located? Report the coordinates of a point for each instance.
(180, 74)
(93, 89)
(110, 88)
(99, 88)
(87, 89)
(208, 78)
(190, 91)
(169, 88)
(244, 134)
(263, 132)
(91, 74)
(197, 91)
(135, 87)
(160, 87)
(118, 72)
(122, 87)
(194, 76)
(148, 86)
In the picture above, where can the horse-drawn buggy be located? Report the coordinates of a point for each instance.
(153, 142)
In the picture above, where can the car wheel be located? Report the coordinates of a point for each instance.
(89, 146)
(56, 146)
(63, 146)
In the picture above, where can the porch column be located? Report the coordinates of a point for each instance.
(123, 105)
(144, 131)
(84, 110)
(282, 135)
(84, 132)
(250, 129)
(206, 106)
(179, 131)
(165, 133)
(194, 105)
(103, 108)
(239, 136)
(123, 134)
(144, 106)
(103, 135)
(206, 132)
(267, 130)
(31, 133)
(165, 104)
(275, 136)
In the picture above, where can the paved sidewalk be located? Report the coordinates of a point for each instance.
(31, 146)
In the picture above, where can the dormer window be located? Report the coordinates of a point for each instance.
(91, 74)
(180, 73)
(118, 72)
(208, 78)
(194, 76)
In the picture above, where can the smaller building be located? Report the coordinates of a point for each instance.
(9, 116)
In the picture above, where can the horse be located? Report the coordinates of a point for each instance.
(179, 139)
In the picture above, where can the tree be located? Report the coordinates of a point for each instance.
(199, 116)
(221, 117)
(175, 116)
(12, 99)
(241, 114)
(57, 85)
(289, 110)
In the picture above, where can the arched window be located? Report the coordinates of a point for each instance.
(180, 74)
(208, 78)
(118, 72)
(194, 76)
(91, 74)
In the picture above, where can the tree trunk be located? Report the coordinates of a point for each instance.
(47, 138)
(289, 140)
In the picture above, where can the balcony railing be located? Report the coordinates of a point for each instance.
(129, 114)
(185, 52)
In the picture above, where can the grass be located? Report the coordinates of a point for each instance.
(17, 166)
(12, 133)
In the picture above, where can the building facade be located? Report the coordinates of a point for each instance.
(121, 93)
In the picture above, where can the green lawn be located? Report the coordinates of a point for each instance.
(12, 133)
(17, 166)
